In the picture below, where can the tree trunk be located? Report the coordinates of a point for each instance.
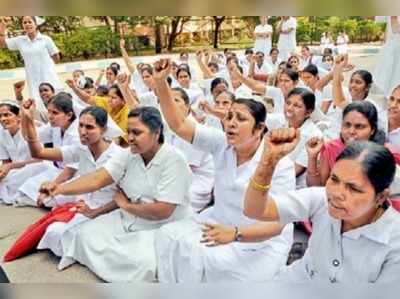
(173, 34)
(158, 41)
(218, 22)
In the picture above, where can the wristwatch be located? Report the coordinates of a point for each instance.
(238, 234)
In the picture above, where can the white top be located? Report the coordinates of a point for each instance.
(393, 138)
(148, 99)
(82, 155)
(166, 178)
(49, 134)
(263, 44)
(275, 65)
(39, 66)
(288, 41)
(276, 94)
(264, 69)
(370, 253)
(244, 92)
(194, 93)
(13, 148)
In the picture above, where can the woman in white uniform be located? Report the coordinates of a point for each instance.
(61, 130)
(181, 254)
(17, 164)
(287, 37)
(262, 35)
(154, 179)
(93, 152)
(356, 235)
(39, 53)
(387, 74)
(393, 133)
(191, 88)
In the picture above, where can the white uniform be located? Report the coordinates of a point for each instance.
(341, 43)
(277, 96)
(181, 256)
(265, 69)
(16, 149)
(48, 134)
(118, 246)
(370, 253)
(39, 66)
(263, 44)
(287, 42)
(202, 166)
(79, 154)
(387, 74)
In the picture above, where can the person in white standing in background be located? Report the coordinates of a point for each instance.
(341, 43)
(39, 54)
(262, 35)
(287, 37)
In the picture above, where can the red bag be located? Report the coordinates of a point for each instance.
(29, 240)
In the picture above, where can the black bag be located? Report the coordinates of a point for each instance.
(3, 276)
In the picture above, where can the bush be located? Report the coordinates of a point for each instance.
(9, 59)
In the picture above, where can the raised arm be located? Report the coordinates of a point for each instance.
(178, 122)
(35, 147)
(256, 86)
(314, 146)
(207, 73)
(100, 77)
(83, 95)
(123, 81)
(128, 62)
(277, 144)
(337, 89)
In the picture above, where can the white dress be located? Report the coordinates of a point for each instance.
(287, 42)
(118, 246)
(16, 149)
(263, 44)
(81, 154)
(370, 253)
(48, 134)
(387, 71)
(180, 255)
(39, 66)
(277, 96)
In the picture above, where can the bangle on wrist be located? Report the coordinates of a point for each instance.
(257, 186)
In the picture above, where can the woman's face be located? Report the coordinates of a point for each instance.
(141, 140)
(46, 94)
(114, 101)
(305, 53)
(184, 79)
(351, 197)
(394, 106)
(239, 126)
(9, 120)
(295, 111)
(286, 84)
(58, 118)
(148, 79)
(309, 79)
(355, 126)
(294, 62)
(274, 55)
(221, 87)
(89, 132)
(110, 76)
(357, 87)
(180, 102)
(223, 102)
(28, 25)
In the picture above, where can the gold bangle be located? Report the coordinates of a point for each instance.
(259, 187)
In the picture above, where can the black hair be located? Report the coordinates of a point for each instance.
(273, 49)
(217, 81)
(151, 118)
(306, 95)
(260, 52)
(183, 94)
(147, 68)
(79, 71)
(48, 85)
(327, 51)
(377, 162)
(99, 114)
(115, 65)
(62, 101)
(366, 77)
(306, 47)
(117, 90)
(324, 57)
(14, 109)
(213, 64)
(102, 90)
(32, 17)
(311, 69)
(294, 56)
(114, 69)
(369, 111)
(256, 109)
(292, 74)
(183, 69)
(89, 83)
(234, 58)
(248, 51)
(230, 95)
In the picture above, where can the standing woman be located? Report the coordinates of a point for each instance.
(39, 53)
(181, 252)
(356, 233)
(154, 179)
(287, 37)
(262, 35)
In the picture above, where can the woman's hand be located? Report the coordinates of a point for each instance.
(83, 208)
(121, 200)
(47, 191)
(280, 142)
(4, 170)
(123, 80)
(162, 69)
(28, 110)
(70, 83)
(217, 234)
(314, 146)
